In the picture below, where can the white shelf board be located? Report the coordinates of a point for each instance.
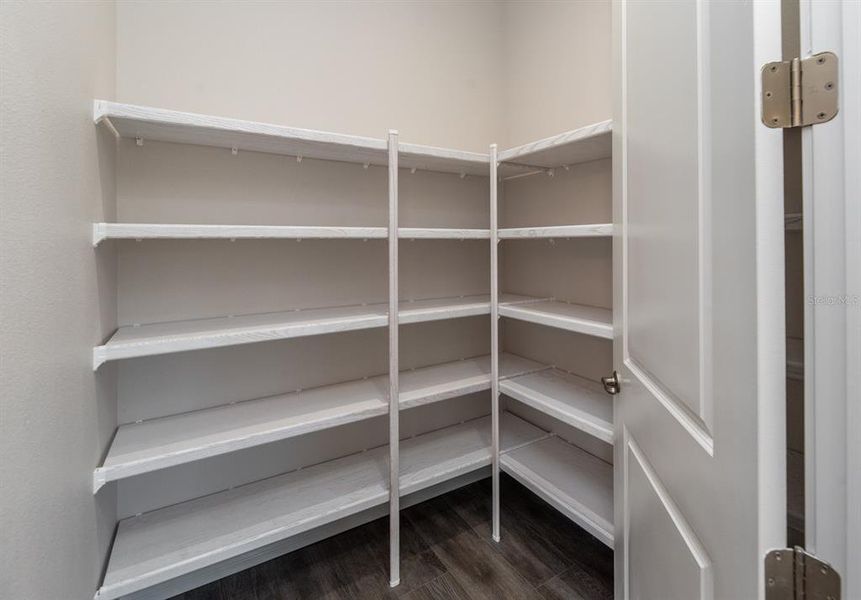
(168, 441)
(557, 231)
(130, 121)
(580, 145)
(157, 231)
(573, 400)
(448, 380)
(199, 334)
(573, 481)
(439, 233)
(420, 311)
(158, 546)
(430, 158)
(589, 320)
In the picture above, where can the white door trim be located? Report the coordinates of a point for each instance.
(832, 289)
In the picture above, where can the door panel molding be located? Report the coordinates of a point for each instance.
(704, 162)
(677, 409)
(667, 527)
(695, 417)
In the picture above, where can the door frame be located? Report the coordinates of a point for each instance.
(832, 326)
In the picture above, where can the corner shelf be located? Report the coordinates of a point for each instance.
(581, 145)
(589, 320)
(158, 546)
(573, 400)
(557, 231)
(199, 334)
(146, 123)
(576, 483)
(164, 442)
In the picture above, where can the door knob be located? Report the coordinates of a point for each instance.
(611, 384)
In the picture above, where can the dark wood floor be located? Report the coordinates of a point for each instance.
(446, 553)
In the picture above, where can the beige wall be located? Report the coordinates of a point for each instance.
(58, 298)
(428, 68)
(448, 73)
(556, 67)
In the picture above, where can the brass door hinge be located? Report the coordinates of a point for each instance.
(801, 91)
(793, 574)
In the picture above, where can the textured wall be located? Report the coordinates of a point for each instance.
(58, 297)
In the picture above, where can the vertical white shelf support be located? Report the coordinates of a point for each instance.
(394, 373)
(494, 336)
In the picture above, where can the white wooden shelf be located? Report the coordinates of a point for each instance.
(438, 233)
(573, 481)
(199, 334)
(558, 231)
(445, 160)
(589, 320)
(156, 444)
(164, 544)
(578, 146)
(145, 123)
(157, 231)
(573, 400)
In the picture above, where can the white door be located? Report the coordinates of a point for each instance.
(699, 301)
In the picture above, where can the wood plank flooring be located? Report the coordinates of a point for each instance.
(446, 554)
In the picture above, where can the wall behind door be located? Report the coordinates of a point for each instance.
(57, 298)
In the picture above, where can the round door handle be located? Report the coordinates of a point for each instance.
(611, 384)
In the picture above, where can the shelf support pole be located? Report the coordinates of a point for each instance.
(394, 405)
(494, 336)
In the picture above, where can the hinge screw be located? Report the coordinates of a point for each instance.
(820, 60)
(821, 115)
(829, 86)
